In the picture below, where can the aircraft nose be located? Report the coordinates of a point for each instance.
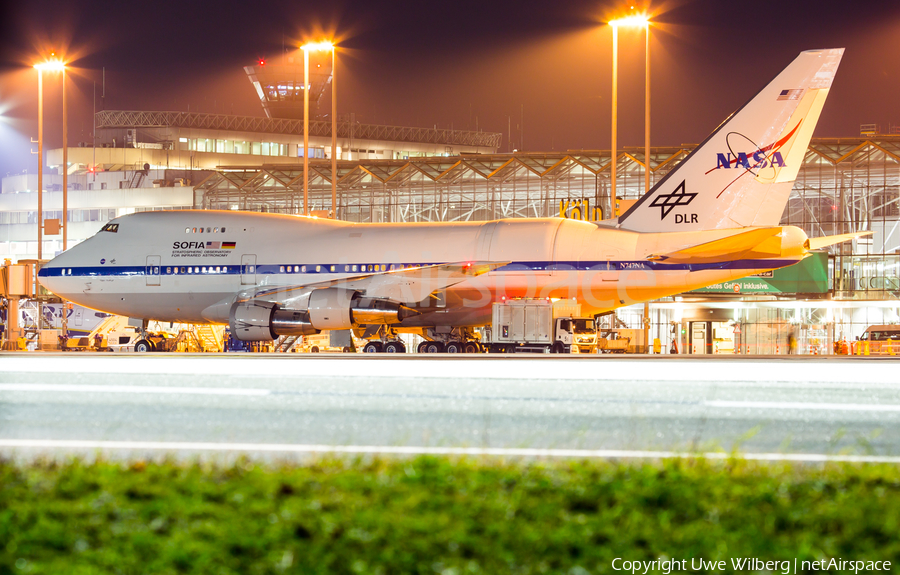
(62, 266)
(48, 274)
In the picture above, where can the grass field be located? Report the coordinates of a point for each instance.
(436, 515)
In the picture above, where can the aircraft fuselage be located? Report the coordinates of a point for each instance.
(160, 265)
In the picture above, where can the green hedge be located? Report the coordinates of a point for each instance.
(436, 515)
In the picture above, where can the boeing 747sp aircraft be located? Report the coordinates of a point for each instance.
(713, 218)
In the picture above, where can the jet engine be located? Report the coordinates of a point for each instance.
(325, 308)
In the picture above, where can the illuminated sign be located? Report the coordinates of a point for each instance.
(579, 210)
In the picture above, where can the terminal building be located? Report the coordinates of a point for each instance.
(174, 160)
(151, 160)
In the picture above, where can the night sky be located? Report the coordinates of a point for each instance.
(462, 64)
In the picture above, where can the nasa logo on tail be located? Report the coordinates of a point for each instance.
(742, 159)
(761, 157)
(667, 202)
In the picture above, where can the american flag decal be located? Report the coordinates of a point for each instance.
(791, 94)
(213, 245)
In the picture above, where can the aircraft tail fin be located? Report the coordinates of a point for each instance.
(742, 174)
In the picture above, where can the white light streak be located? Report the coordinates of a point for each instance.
(444, 451)
(133, 389)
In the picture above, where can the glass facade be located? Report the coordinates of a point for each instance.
(845, 185)
(233, 147)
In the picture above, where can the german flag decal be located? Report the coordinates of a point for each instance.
(227, 245)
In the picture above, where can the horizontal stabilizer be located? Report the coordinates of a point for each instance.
(755, 244)
(825, 241)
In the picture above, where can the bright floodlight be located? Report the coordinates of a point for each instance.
(51, 66)
(318, 47)
(638, 21)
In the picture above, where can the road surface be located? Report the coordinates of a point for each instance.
(801, 407)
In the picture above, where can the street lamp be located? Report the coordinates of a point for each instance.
(307, 48)
(636, 21)
(53, 65)
(639, 21)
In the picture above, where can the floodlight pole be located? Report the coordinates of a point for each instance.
(40, 185)
(612, 176)
(334, 209)
(647, 113)
(612, 168)
(65, 210)
(305, 131)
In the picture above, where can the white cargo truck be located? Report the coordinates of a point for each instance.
(535, 325)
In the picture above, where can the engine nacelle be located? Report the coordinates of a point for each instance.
(336, 308)
(329, 308)
(325, 308)
(379, 311)
(265, 321)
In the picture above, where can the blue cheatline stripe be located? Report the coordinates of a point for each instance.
(344, 268)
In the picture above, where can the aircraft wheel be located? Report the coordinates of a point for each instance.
(373, 347)
(434, 347)
(142, 346)
(394, 347)
(472, 347)
(455, 347)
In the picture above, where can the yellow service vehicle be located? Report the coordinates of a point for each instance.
(878, 340)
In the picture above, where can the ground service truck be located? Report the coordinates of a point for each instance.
(539, 325)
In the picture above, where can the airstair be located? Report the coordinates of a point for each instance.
(285, 343)
(210, 337)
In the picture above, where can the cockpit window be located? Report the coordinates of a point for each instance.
(114, 228)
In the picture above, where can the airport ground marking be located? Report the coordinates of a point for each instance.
(260, 392)
(803, 405)
(638, 370)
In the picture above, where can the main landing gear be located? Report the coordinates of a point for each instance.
(455, 340)
(452, 346)
(388, 342)
(396, 346)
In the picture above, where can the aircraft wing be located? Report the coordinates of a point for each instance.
(408, 285)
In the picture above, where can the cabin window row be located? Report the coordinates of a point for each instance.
(197, 270)
(206, 230)
(175, 270)
(346, 268)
